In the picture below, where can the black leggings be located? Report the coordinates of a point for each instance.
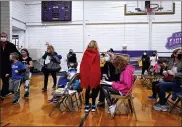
(46, 76)
(5, 85)
(143, 70)
(107, 90)
(93, 95)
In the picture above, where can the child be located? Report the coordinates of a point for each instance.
(27, 61)
(17, 75)
(90, 74)
(121, 87)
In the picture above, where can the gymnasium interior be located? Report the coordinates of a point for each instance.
(119, 28)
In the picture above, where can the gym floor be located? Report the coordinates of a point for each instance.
(35, 110)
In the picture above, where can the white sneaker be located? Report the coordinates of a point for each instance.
(112, 110)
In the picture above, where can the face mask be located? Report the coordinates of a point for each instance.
(107, 59)
(179, 56)
(144, 53)
(3, 39)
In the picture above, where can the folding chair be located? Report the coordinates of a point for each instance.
(179, 99)
(66, 95)
(128, 97)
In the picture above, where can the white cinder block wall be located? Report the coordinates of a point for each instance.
(104, 21)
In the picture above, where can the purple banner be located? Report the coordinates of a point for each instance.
(174, 41)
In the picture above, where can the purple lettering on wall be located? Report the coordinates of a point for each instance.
(174, 41)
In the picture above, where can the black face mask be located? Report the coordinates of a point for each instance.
(179, 56)
(153, 55)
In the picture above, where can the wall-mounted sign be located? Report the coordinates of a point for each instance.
(174, 41)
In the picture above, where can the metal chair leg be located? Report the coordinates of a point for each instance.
(133, 108)
(168, 96)
(129, 102)
(175, 104)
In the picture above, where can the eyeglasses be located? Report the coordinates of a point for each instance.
(3, 36)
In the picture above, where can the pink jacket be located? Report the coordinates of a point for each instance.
(126, 80)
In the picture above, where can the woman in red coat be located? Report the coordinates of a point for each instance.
(90, 73)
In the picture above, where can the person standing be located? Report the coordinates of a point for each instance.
(50, 56)
(27, 61)
(71, 58)
(6, 48)
(90, 74)
(145, 62)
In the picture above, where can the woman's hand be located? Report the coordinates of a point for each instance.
(170, 72)
(165, 73)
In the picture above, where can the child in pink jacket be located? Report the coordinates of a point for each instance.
(121, 87)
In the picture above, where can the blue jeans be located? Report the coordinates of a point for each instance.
(165, 87)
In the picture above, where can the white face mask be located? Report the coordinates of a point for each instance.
(107, 58)
(3, 39)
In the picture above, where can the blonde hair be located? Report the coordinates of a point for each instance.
(93, 44)
(51, 48)
(120, 63)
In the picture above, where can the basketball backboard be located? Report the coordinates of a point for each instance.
(138, 7)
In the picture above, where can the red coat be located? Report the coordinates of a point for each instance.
(90, 72)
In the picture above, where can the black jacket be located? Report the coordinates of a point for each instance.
(109, 70)
(5, 63)
(71, 58)
(145, 61)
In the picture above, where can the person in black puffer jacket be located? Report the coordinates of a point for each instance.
(48, 57)
(109, 74)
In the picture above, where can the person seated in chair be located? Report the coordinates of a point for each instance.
(163, 67)
(109, 74)
(175, 69)
(121, 87)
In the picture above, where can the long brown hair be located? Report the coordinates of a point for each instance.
(51, 48)
(120, 63)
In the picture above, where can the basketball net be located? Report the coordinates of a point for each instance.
(151, 11)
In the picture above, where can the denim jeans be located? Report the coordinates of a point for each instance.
(165, 87)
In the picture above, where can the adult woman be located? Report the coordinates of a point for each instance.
(27, 61)
(90, 73)
(109, 74)
(121, 87)
(175, 69)
(50, 56)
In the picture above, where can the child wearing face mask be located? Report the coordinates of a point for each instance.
(27, 61)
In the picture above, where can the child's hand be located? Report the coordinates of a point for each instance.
(16, 71)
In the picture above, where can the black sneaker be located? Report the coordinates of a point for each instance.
(93, 108)
(26, 95)
(87, 108)
(101, 104)
(16, 101)
(43, 89)
(1, 98)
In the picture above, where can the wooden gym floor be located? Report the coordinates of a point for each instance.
(35, 111)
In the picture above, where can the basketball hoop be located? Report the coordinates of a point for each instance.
(151, 11)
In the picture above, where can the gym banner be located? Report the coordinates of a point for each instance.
(174, 41)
